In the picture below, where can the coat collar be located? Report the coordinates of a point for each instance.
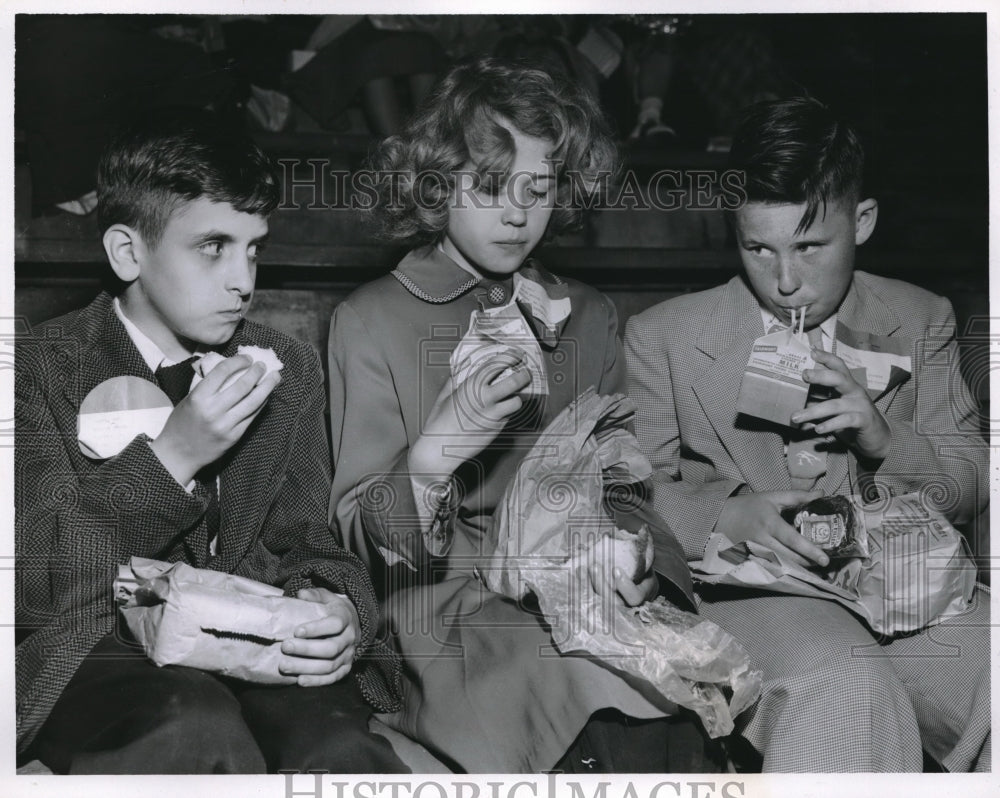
(107, 350)
(867, 311)
(431, 276)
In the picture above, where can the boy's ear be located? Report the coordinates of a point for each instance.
(864, 220)
(123, 245)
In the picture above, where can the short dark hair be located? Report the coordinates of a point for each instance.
(460, 127)
(797, 151)
(175, 155)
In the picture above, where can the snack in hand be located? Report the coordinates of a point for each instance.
(629, 552)
(262, 355)
(831, 523)
(259, 354)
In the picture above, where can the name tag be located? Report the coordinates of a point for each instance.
(117, 411)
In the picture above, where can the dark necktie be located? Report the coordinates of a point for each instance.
(176, 382)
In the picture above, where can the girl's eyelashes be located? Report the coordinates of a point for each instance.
(521, 187)
(489, 183)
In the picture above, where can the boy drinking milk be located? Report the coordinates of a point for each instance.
(835, 698)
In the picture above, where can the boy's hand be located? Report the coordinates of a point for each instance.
(322, 651)
(210, 419)
(470, 415)
(757, 517)
(852, 415)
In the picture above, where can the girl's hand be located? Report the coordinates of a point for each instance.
(852, 415)
(467, 417)
(612, 571)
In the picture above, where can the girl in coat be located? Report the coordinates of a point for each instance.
(500, 158)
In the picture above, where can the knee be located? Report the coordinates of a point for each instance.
(340, 747)
(858, 674)
(204, 732)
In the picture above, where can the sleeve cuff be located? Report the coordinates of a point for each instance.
(399, 530)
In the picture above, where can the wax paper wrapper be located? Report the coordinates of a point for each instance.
(210, 620)
(918, 570)
(257, 354)
(494, 331)
(551, 525)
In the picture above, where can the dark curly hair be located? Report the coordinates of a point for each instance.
(797, 151)
(174, 155)
(461, 128)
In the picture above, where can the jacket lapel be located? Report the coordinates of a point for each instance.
(106, 351)
(728, 337)
(863, 312)
(248, 474)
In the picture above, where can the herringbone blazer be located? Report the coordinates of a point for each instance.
(686, 357)
(77, 518)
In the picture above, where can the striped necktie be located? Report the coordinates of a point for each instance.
(806, 456)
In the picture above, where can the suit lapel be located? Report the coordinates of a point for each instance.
(863, 312)
(106, 351)
(728, 337)
(248, 474)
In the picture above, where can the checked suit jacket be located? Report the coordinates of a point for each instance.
(78, 518)
(686, 358)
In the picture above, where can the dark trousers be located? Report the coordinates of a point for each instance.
(614, 743)
(122, 714)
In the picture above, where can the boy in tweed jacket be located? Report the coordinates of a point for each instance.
(835, 698)
(237, 481)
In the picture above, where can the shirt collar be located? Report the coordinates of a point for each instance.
(150, 352)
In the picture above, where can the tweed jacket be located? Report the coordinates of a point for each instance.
(686, 357)
(77, 518)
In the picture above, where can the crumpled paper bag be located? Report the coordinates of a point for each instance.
(551, 524)
(210, 620)
(918, 572)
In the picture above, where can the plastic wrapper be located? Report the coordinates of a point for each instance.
(210, 620)
(553, 523)
(917, 571)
